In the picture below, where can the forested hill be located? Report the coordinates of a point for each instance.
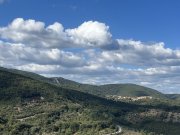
(33, 107)
(131, 90)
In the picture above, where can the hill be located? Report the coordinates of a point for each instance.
(173, 96)
(33, 107)
(131, 90)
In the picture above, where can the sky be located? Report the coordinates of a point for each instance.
(94, 41)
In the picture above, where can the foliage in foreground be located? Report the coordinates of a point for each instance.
(30, 107)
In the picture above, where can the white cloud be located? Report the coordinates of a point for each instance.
(88, 54)
(141, 54)
(34, 33)
(91, 33)
(22, 54)
(56, 27)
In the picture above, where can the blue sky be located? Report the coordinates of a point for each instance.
(146, 20)
(97, 41)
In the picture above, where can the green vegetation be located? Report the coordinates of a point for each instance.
(102, 90)
(111, 89)
(173, 96)
(34, 106)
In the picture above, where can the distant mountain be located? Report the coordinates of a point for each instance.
(131, 90)
(173, 96)
(33, 105)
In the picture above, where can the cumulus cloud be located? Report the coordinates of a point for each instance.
(89, 54)
(36, 34)
(21, 54)
(91, 33)
(141, 54)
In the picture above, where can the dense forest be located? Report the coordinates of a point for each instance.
(34, 105)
